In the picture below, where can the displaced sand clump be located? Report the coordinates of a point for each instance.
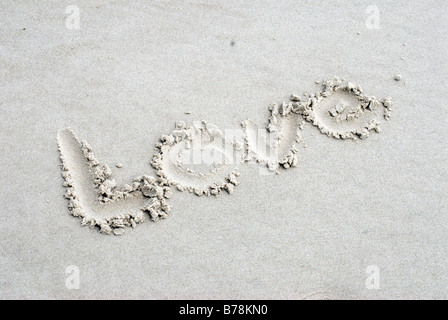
(197, 159)
(275, 145)
(202, 160)
(95, 197)
(342, 111)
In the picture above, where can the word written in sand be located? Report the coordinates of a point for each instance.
(206, 161)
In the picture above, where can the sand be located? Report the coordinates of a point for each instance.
(341, 211)
(340, 111)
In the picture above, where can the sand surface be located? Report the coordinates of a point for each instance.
(129, 72)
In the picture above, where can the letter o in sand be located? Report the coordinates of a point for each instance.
(198, 159)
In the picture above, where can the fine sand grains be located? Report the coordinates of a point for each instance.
(276, 145)
(203, 160)
(95, 197)
(197, 158)
(342, 111)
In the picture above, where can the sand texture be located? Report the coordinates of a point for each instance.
(273, 149)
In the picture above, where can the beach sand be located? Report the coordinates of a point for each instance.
(361, 219)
